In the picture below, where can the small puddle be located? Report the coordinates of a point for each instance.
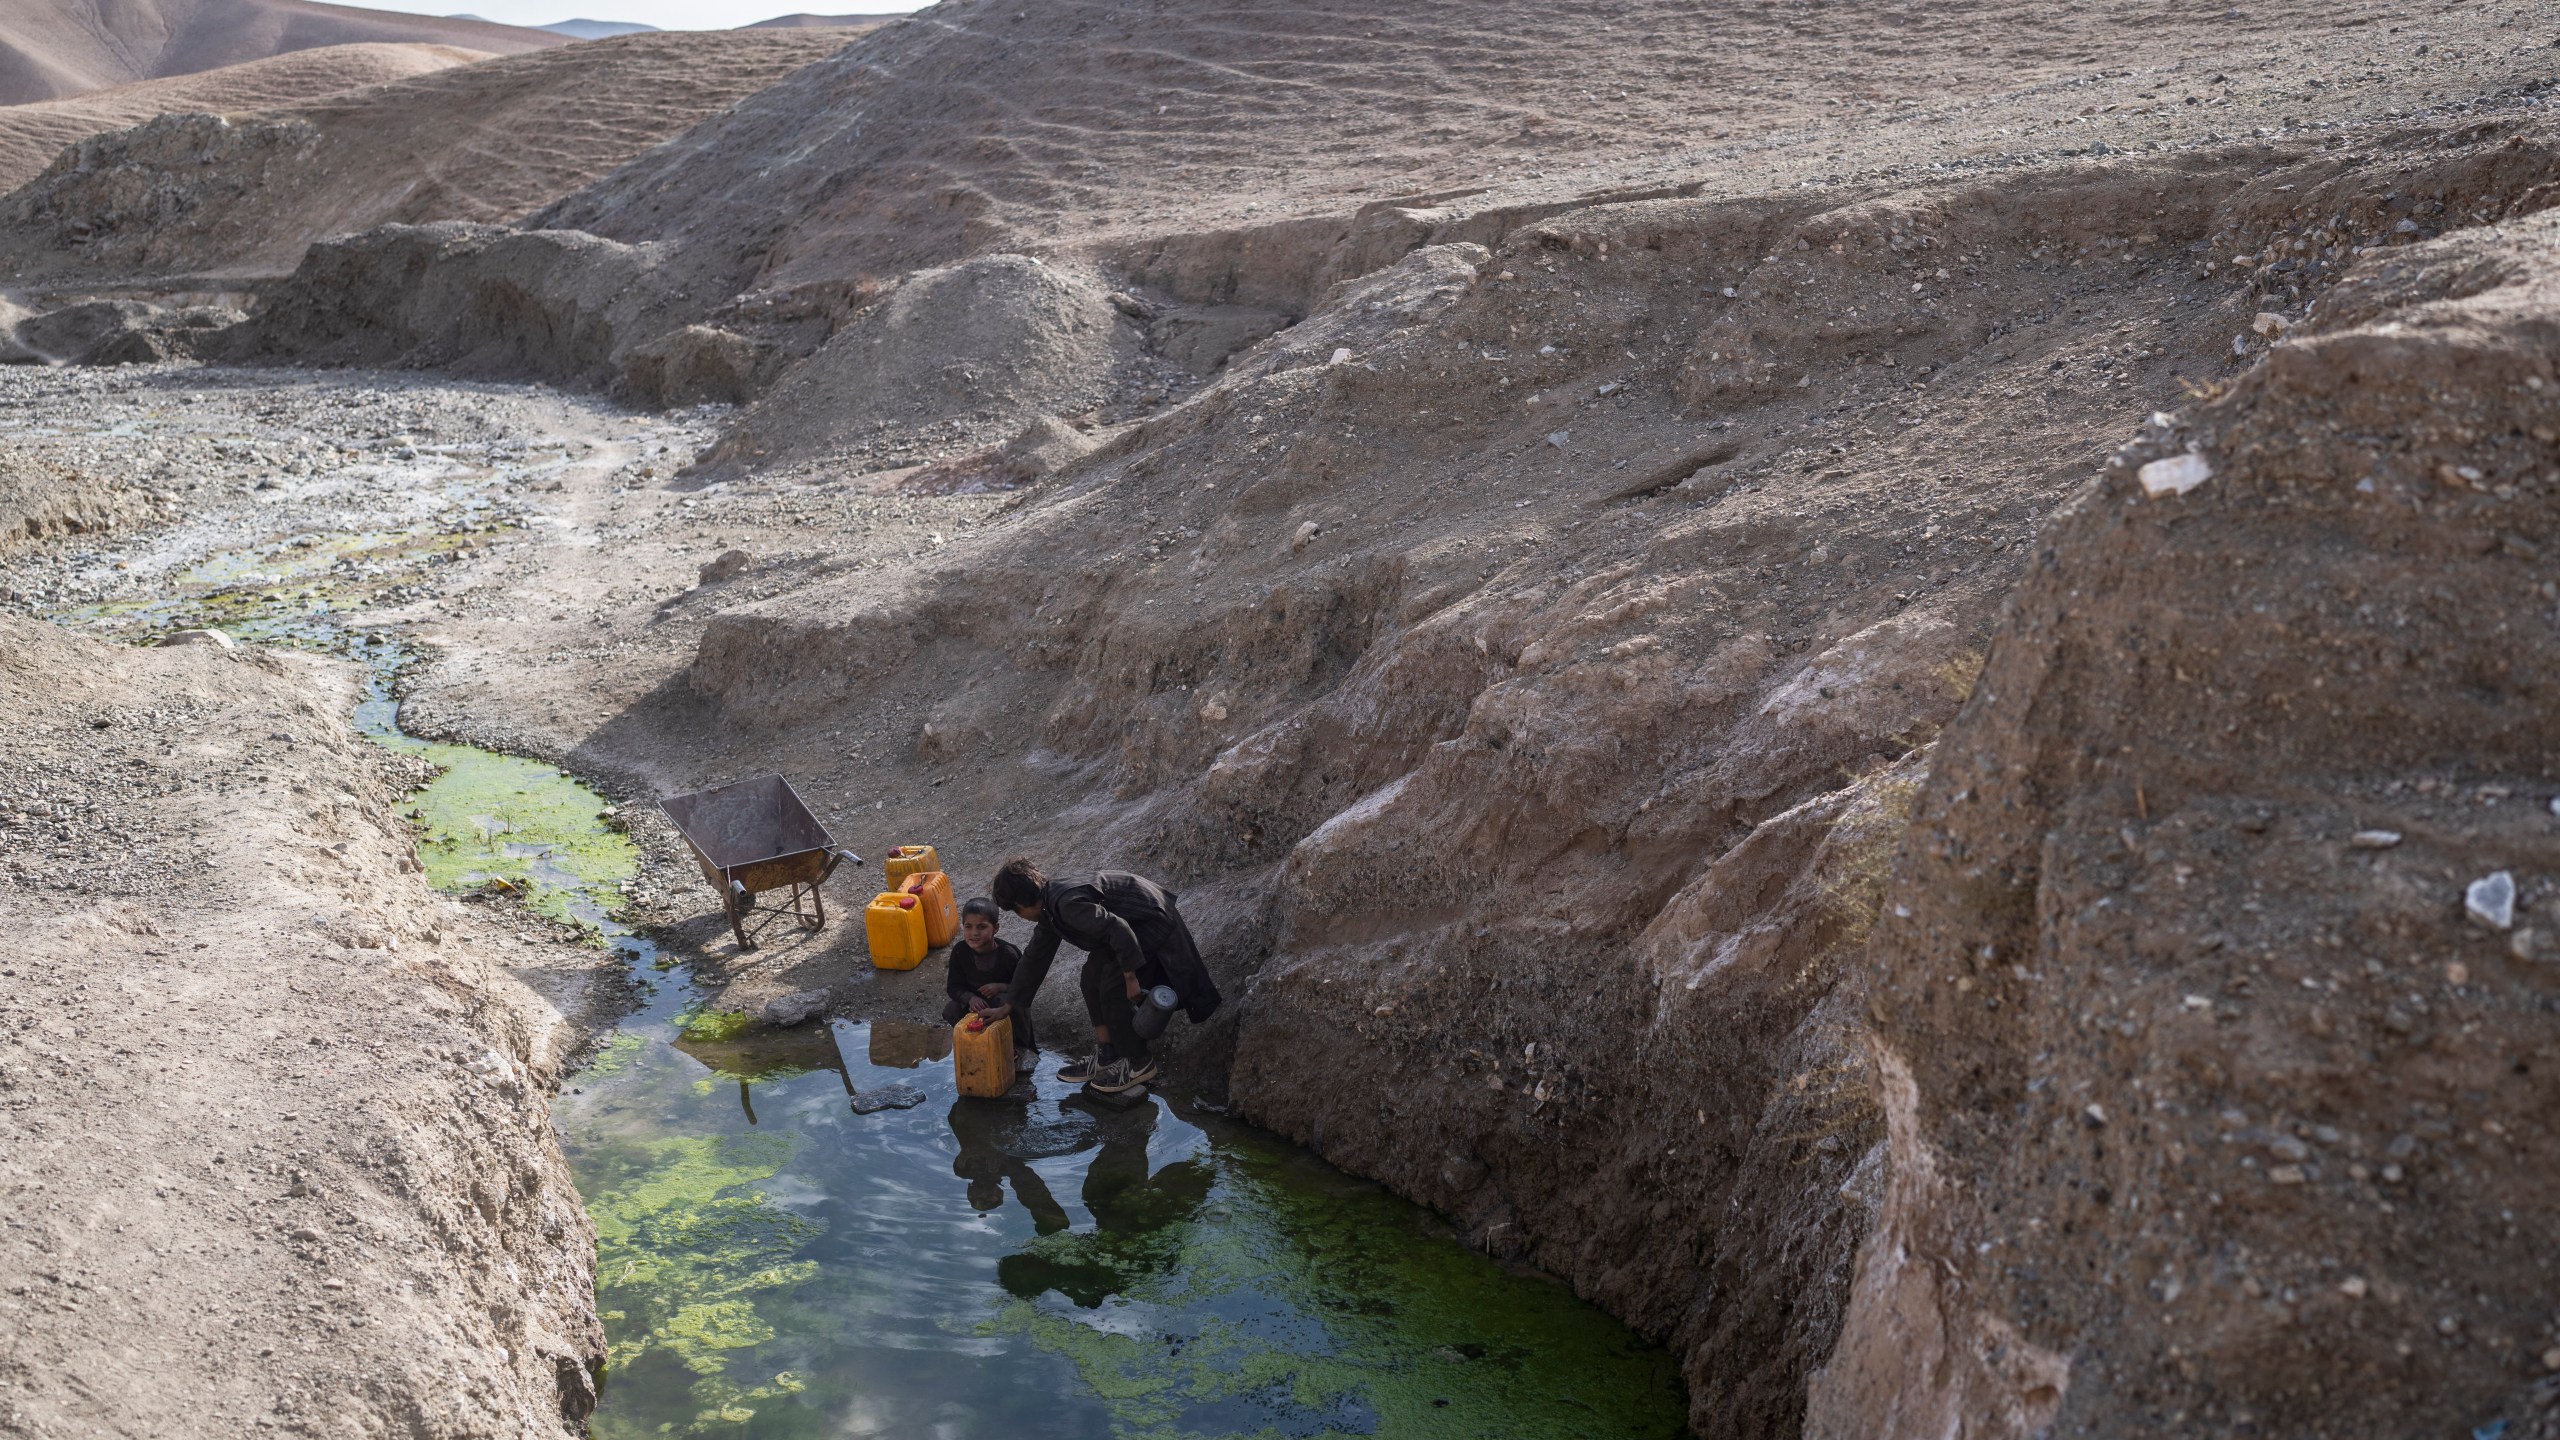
(771, 1263)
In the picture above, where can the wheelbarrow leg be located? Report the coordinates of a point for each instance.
(818, 898)
(734, 902)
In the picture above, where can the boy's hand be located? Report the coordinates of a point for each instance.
(991, 989)
(995, 1013)
(1131, 977)
(977, 1006)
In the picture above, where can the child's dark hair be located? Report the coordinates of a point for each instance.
(1017, 883)
(980, 905)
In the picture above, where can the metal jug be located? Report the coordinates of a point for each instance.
(1159, 1004)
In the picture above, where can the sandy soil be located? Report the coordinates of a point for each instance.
(275, 1120)
(32, 134)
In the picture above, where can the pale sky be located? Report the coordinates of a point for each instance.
(665, 14)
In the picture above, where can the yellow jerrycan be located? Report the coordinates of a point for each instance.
(894, 924)
(932, 890)
(982, 1056)
(909, 860)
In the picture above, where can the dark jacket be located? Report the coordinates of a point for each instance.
(1132, 920)
(969, 969)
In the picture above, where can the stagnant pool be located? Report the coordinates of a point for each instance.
(772, 1263)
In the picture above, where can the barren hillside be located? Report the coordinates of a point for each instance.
(481, 142)
(55, 48)
(1141, 138)
(1121, 121)
(1839, 672)
(2218, 1088)
(32, 134)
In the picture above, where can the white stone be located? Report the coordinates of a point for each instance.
(2176, 475)
(2491, 900)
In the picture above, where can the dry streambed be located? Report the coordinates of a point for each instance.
(766, 1258)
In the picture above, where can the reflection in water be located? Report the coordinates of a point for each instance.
(904, 1044)
(1034, 1267)
(767, 1055)
(998, 1141)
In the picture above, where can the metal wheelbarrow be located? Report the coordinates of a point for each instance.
(755, 836)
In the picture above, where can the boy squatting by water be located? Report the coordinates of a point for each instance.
(1132, 937)
(980, 980)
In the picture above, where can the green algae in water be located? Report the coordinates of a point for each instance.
(1040, 1268)
(684, 1244)
(497, 817)
(713, 1027)
(614, 1056)
(1388, 1326)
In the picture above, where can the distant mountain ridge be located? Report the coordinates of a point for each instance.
(823, 22)
(596, 29)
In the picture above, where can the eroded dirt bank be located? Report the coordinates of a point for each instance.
(2220, 1102)
(274, 1130)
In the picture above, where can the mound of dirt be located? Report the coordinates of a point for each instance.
(480, 298)
(31, 135)
(198, 195)
(50, 49)
(2252, 1119)
(275, 1138)
(39, 498)
(955, 356)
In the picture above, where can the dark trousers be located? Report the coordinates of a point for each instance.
(954, 1011)
(1106, 999)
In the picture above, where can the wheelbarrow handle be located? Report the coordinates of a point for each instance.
(836, 857)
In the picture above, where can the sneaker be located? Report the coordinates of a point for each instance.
(1077, 1071)
(1120, 1075)
(1025, 1061)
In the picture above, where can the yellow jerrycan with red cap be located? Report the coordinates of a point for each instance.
(894, 924)
(908, 860)
(982, 1056)
(941, 912)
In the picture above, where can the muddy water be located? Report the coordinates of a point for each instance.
(773, 1263)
